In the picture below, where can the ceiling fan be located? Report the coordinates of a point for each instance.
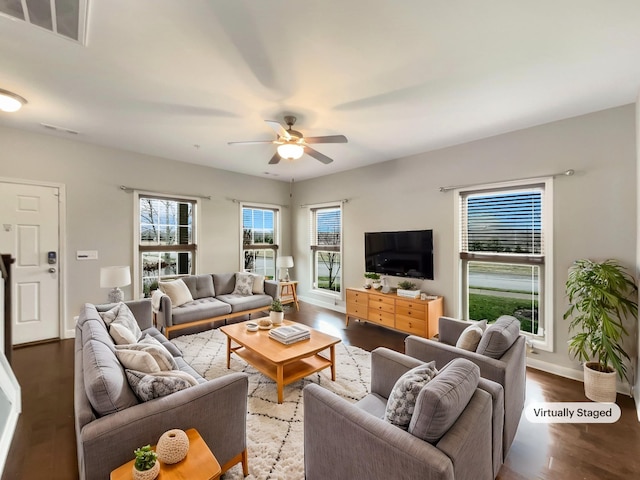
(292, 144)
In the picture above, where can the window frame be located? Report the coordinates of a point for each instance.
(314, 248)
(545, 282)
(138, 290)
(277, 214)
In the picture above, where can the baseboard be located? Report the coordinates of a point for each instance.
(622, 387)
(636, 397)
(320, 303)
(70, 333)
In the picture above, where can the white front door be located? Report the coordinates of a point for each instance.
(29, 224)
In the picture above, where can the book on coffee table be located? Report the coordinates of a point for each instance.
(290, 334)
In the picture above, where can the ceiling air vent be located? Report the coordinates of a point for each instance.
(59, 129)
(63, 17)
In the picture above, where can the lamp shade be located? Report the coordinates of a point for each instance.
(290, 151)
(284, 262)
(111, 277)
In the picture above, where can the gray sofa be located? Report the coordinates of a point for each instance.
(111, 422)
(509, 369)
(213, 303)
(345, 440)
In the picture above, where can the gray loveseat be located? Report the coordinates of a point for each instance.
(456, 432)
(111, 422)
(213, 302)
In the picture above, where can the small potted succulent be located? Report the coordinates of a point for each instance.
(146, 466)
(276, 312)
(371, 279)
(408, 289)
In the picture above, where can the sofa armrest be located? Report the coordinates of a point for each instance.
(386, 367)
(217, 409)
(342, 441)
(271, 288)
(164, 317)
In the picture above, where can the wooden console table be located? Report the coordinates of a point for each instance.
(409, 315)
(199, 464)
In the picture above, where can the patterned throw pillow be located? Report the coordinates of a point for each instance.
(244, 284)
(404, 394)
(147, 387)
(122, 325)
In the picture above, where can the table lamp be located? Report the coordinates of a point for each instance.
(285, 262)
(114, 277)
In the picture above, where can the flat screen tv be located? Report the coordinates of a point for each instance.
(400, 254)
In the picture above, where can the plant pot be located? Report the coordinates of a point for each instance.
(408, 293)
(599, 386)
(376, 284)
(276, 317)
(150, 474)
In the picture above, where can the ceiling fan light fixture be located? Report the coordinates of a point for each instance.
(290, 151)
(10, 102)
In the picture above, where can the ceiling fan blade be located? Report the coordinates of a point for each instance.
(327, 139)
(253, 142)
(275, 159)
(279, 129)
(317, 155)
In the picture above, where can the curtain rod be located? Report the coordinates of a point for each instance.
(132, 189)
(342, 201)
(235, 200)
(566, 173)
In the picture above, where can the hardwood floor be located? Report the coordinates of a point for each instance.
(44, 444)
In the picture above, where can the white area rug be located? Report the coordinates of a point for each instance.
(275, 431)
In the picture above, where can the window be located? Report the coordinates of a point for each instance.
(326, 248)
(504, 245)
(260, 239)
(166, 239)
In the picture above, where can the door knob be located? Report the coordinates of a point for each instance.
(52, 270)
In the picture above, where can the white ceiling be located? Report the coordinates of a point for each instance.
(397, 77)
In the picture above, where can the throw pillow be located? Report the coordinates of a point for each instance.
(470, 338)
(443, 399)
(123, 317)
(159, 353)
(137, 360)
(244, 284)
(499, 336)
(404, 394)
(177, 291)
(147, 387)
(258, 284)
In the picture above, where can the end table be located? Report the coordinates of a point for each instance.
(287, 293)
(199, 464)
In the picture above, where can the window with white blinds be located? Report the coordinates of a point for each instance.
(325, 240)
(260, 226)
(503, 243)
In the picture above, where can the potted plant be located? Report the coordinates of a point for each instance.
(371, 278)
(408, 289)
(146, 466)
(601, 296)
(276, 312)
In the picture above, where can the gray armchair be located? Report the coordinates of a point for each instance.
(345, 440)
(508, 370)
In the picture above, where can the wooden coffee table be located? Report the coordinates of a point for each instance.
(282, 363)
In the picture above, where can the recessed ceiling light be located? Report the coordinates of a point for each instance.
(10, 102)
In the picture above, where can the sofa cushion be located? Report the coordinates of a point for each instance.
(244, 284)
(199, 309)
(177, 291)
(164, 360)
(443, 399)
(122, 324)
(149, 386)
(499, 336)
(105, 381)
(470, 337)
(95, 329)
(224, 283)
(200, 286)
(239, 303)
(404, 394)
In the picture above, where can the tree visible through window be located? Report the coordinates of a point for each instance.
(326, 241)
(259, 240)
(503, 247)
(166, 244)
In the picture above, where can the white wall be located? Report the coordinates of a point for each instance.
(594, 211)
(100, 215)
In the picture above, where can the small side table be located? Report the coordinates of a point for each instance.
(287, 293)
(199, 464)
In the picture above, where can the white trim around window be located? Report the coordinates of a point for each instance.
(329, 248)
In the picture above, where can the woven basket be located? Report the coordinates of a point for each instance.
(599, 386)
(172, 446)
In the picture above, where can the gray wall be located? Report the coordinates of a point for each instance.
(100, 216)
(594, 210)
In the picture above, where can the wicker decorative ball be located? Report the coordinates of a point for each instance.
(172, 446)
